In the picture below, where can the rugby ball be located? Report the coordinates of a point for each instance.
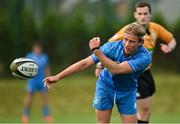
(24, 68)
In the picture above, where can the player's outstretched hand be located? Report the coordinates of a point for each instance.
(48, 81)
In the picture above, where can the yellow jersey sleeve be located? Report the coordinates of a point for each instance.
(163, 34)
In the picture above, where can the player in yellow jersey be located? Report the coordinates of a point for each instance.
(154, 32)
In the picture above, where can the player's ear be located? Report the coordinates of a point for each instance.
(150, 16)
(135, 15)
(141, 41)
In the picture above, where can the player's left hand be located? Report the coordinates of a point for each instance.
(48, 81)
(165, 48)
(94, 42)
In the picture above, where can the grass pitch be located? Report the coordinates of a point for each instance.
(71, 100)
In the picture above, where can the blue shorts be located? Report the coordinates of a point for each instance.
(35, 86)
(105, 98)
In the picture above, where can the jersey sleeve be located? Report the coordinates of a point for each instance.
(140, 62)
(119, 35)
(105, 49)
(163, 34)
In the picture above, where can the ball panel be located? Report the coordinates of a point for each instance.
(19, 61)
(24, 68)
(22, 60)
(19, 75)
(28, 69)
(13, 67)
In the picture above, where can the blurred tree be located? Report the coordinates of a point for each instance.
(50, 34)
(16, 23)
(104, 21)
(177, 50)
(130, 14)
(66, 35)
(76, 36)
(7, 35)
(28, 31)
(6, 41)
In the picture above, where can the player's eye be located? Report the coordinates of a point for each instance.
(125, 39)
(130, 41)
(145, 13)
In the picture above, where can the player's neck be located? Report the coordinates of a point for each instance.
(128, 55)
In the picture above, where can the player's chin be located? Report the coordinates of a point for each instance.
(127, 52)
(144, 23)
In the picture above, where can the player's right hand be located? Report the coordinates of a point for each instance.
(94, 42)
(48, 81)
(165, 48)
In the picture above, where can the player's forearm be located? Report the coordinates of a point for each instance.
(172, 44)
(108, 63)
(68, 72)
(77, 67)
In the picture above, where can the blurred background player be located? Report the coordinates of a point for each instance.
(154, 32)
(35, 84)
(117, 84)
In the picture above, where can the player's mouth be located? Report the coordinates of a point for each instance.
(127, 49)
(144, 22)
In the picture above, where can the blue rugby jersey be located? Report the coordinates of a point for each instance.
(42, 62)
(139, 61)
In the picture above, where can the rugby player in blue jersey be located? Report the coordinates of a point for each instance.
(117, 82)
(154, 33)
(35, 84)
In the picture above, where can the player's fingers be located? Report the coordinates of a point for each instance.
(44, 79)
(44, 84)
(49, 86)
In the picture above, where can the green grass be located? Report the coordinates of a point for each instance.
(71, 100)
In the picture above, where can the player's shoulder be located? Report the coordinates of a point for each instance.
(145, 53)
(44, 56)
(30, 54)
(118, 43)
(113, 45)
(154, 25)
(143, 50)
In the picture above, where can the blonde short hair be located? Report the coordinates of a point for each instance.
(136, 29)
